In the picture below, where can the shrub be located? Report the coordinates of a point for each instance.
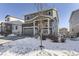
(53, 37)
(77, 34)
(63, 40)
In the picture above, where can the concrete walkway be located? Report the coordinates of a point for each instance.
(2, 41)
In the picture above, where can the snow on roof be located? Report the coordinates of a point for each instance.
(15, 18)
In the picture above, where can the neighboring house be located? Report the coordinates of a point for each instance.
(64, 31)
(50, 22)
(74, 23)
(12, 25)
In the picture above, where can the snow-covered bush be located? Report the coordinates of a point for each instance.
(11, 35)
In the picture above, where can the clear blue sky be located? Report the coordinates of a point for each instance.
(19, 10)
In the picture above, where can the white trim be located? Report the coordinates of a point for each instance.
(28, 27)
(34, 27)
(48, 26)
(38, 16)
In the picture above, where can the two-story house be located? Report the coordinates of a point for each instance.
(49, 19)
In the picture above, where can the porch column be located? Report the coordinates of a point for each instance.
(48, 26)
(34, 28)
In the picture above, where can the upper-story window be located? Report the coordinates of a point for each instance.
(49, 13)
(28, 17)
(8, 19)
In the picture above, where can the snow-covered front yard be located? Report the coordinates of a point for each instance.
(30, 47)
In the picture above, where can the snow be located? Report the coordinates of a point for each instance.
(77, 38)
(11, 35)
(3, 41)
(46, 52)
(29, 46)
(1, 36)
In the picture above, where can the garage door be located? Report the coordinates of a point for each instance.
(28, 31)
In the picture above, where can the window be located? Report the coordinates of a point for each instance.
(49, 13)
(25, 18)
(8, 19)
(8, 27)
(28, 17)
(16, 27)
(72, 29)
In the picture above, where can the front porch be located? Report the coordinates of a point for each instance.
(31, 28)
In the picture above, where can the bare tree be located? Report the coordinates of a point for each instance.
(39, 7)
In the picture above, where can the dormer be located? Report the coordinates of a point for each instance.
(7, 18)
